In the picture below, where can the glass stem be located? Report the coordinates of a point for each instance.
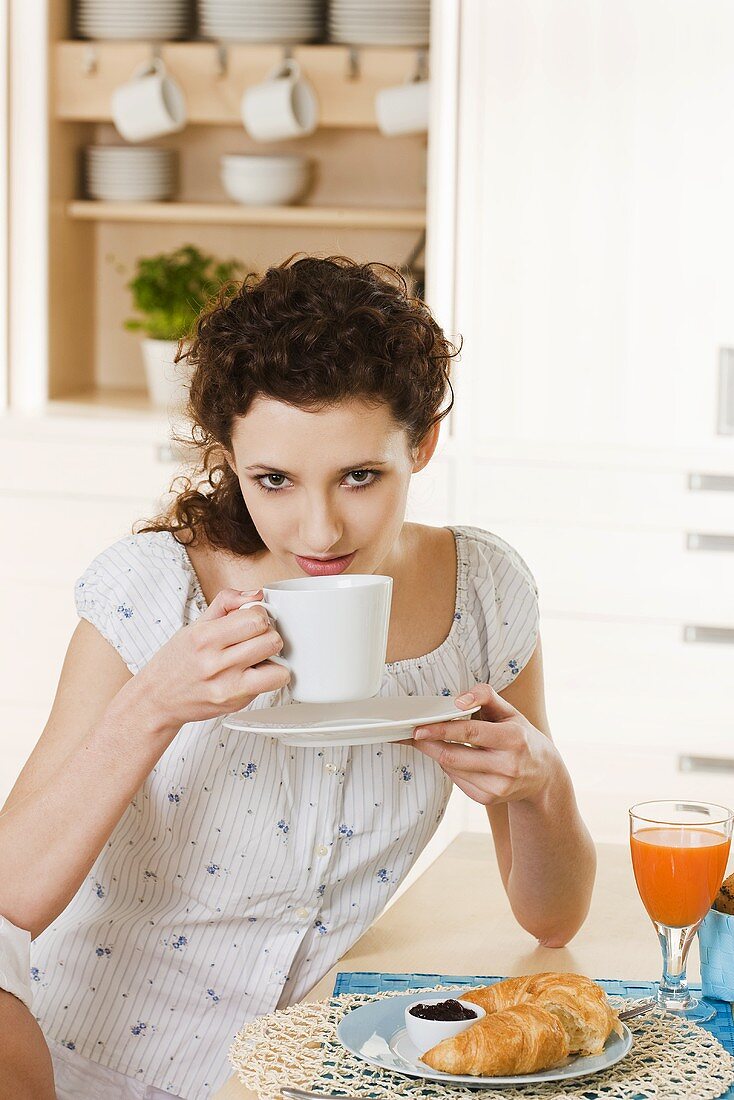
(673, 992)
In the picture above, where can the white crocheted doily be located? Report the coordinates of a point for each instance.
(671, 1059)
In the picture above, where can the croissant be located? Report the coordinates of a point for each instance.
(532, 1023)
(521, 1039)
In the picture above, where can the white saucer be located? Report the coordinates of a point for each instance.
(365, 722)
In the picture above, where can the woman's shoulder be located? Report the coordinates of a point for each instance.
(138, 592)
(499, 599)
(488, 555)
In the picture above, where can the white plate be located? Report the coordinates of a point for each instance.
(103, 195)
(265, 8)
(386, 25)
(274, 38)
(419, 41)
(242, 26)
(227, 6)
(375, 1032)
(335, 724)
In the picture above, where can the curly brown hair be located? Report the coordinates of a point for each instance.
(312, 333)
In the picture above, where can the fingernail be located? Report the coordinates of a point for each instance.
(468, 698)
(421, 733)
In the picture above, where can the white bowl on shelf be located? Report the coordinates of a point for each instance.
(265, 180)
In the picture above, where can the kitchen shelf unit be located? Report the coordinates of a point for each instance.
(368, 199)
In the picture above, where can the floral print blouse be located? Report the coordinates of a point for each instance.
(243, 869)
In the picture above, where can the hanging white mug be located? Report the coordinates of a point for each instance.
(403, 109)
(283, 106)
(151, 104)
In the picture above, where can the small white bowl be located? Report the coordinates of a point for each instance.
(245, 162)
(424, 1034)
(266, 189)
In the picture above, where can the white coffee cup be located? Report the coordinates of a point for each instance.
(403, 109)
(283, 106)
(149, 105)
(334, 632)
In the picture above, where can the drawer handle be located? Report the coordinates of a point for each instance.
(695, 540)
(725, 405)
(718, 635)
(705, 764)
(711, 483)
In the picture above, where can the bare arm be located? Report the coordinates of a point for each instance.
(504, 758)
(26, 1071)
(98, 745)
(545, 854)
(106, 731)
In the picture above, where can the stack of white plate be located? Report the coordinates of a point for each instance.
(160, 19)
(264, 180)
(262, 20)
(380, 22)
(122, 173)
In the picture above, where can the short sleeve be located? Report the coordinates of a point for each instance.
(15, 961)
(137, 594)
(503, 604)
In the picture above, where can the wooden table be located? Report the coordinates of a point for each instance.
(455, 919)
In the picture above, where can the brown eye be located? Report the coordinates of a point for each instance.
(278, 479)
(363, 478)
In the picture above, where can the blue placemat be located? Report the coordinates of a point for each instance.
(722, 1026)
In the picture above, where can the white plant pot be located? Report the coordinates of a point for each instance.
(168, 382)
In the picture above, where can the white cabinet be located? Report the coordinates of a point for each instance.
(591, 240)
(634, 558)
(595, 229)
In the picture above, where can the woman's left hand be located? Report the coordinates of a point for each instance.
(502, 757)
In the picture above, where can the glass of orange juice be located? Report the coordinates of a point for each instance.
(679, 856)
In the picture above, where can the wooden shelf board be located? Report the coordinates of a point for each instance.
(224, 213)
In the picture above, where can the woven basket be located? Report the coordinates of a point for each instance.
(716, 940)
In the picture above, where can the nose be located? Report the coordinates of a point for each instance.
(320, 527)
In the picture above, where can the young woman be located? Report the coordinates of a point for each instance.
(178, 878)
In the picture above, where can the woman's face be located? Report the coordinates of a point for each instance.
(326, 490)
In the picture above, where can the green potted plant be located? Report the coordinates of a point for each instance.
(169, 292)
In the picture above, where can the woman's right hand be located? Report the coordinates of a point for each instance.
(215, 666)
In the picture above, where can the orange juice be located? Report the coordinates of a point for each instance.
(678, 871)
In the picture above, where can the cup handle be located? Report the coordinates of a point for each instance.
(271, 612)
(260, 603)
(280, 661)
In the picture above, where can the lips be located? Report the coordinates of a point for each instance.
(315, 568)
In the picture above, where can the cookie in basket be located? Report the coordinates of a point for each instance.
(724, 902)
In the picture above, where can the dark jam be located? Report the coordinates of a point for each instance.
(442, 1010)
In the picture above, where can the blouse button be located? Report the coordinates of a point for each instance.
(322, 850)
(331, 768)
(302, 913)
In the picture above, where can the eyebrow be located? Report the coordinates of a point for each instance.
(344, 470)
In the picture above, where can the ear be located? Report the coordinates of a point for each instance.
(229, 459)
(424, 451)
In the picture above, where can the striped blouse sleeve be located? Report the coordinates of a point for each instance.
(504, 600)
(135, 593)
